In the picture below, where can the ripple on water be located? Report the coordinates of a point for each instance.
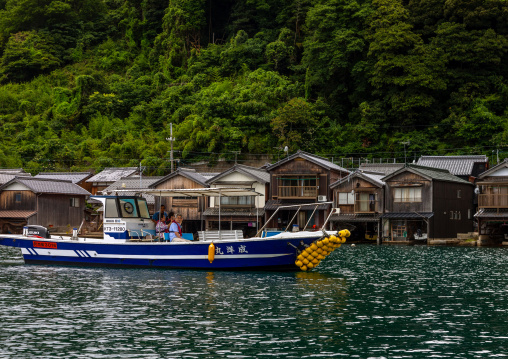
(363, 302)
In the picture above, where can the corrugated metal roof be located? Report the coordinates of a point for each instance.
(74, 177)
(412, 215)
(355, 217)
(492, 213)
(43, 185)
(112, 174)
(273, 204)
(456, 165)
(235, 212)
(17, 214)
(385, 168)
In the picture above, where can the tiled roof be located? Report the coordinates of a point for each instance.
(16, 171)
(235, 212)
(273, 204)
(5, 177)
(260, 175)
(456, 165)
(17, 214)
(74, 177)
(355, 217)
(321, 161)
(111, 174)
(433, 173)
(43, 185)
(386, 168)
(403, 215)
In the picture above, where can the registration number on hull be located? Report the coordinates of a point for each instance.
(38, 244)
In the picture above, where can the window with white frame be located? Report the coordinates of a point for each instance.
(75, 202)
(346, 198)
(407, 194)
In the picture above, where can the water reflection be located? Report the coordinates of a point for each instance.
(378, 302)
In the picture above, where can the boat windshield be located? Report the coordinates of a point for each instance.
(143, 208)
(128, 207)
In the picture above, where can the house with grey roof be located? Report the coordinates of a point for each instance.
(426, 203)
(191, 208)
(385, 168)
(7, 174)
(110, 175)
(78, 178)
(301, 179)
(460, 166)
(56, 204)
(238, 213)
(492, 214)
(360, 199)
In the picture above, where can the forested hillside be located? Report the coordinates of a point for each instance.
(94, 83)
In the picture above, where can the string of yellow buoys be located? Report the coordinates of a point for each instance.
(311, 256)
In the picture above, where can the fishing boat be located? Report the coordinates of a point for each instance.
(130, 240)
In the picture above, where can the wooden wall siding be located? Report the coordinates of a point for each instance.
(445, 201)
(189, 211)
(55, 209)
(359, 185)
(301, 166)
(8, 201)
(408, 179)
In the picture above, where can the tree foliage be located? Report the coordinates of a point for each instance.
(92, 83)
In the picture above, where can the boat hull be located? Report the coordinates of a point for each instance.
(249, 254)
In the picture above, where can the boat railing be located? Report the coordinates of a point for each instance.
(299, 207)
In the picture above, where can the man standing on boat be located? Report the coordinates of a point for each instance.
(175, 230)
(157, 215)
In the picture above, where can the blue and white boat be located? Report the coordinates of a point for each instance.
(130, 241)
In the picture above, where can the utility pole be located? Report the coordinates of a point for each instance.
(236, 153)
(171, 139)
(405, 143)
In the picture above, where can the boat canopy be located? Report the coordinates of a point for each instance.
(195, 192)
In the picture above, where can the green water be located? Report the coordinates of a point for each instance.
(361, 302)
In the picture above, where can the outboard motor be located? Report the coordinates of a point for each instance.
(37, 231)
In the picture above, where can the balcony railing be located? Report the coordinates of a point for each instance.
(493, 201)
(365, 206)
(298, 191)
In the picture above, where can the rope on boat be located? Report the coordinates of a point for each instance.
(311, 256)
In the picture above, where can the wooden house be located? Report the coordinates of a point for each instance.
(426, 202)
(110, 175)
(492, 214)
(78, 178)
(191, 208)
(360, 198)
(301, 178)
(243, 213)
(51, 203)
